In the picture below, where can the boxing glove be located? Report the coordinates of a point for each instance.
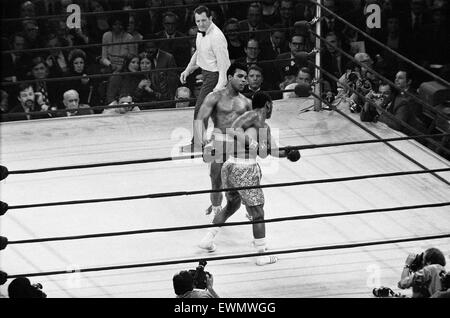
(292, 154)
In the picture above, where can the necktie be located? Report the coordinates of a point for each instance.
(202, 32)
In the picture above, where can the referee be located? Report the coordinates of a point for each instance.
(211, 56)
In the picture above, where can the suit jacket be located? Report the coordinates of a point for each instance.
(168, 80)
(178, 48)
(260, 36)
(19, 109)
(269, 53)
(405, 109)
(334, 66)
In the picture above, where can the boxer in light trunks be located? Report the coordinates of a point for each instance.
(223, 106)
(241, 169)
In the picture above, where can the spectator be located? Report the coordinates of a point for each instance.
(125, 100)
(14, 64)
(270, 13)
(32, 34)
(167, 80)
(125, 84)
(255, 80)
(86, 87)
(287, 13)
(57, 59)
(303, 77)
(152, 19)
(183, 285)
(424, 280)
(329, 23)
(252, 53)
(403, 107)
(98, 24)
(71, 101)
(182, 92)
(381, 98)
(296, 56)
(29, 101)
(146, 91)
(254, 23)
(113, 55)
(289, 77)
(50, 90)
(234, 42)
(134, 27)
(178, 48)
(21, 287)
(275, 44)
(332, 60)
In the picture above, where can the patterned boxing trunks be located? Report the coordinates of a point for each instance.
(243, 173)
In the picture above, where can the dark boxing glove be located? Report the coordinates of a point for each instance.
(292, 154)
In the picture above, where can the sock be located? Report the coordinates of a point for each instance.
(260, 244)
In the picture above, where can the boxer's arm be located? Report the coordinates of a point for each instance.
(204, 112)
(244, 121)
(273, 148)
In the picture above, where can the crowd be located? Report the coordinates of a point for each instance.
(278, 58)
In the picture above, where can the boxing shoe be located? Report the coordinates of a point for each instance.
(207, 245)
(266, 260)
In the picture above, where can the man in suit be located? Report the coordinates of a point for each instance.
(400, 105)
(28, 101)
(254, 23)
(160, 59)
(332, 60)
(297, 46)
(275, 44)
(178, 48)
(252, 57)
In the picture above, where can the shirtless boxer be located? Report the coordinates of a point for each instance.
(223, 106)
(241, 169)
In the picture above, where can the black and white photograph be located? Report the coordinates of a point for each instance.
(254, 153)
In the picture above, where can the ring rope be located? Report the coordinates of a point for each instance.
(402, 153)
(185, 157)
(203, 226)
(179, 6)
(195, 192)
(418, 99)
(90, 45)
(64, 78)
(236, 256)
(404, 58)
(404, 124)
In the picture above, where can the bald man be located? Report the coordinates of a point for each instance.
(71, 101)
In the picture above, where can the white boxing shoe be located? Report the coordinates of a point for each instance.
(207, 244)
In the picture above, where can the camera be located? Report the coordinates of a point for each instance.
(417, 263)
(382, 292)
(445, 281)
(199, 275)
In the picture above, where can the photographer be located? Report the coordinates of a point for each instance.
(382, 99)
(184, 286)
(21, 287)
(423, 273)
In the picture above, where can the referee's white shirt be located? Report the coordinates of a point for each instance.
(212, 54)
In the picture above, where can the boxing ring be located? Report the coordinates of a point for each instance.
(331, 272)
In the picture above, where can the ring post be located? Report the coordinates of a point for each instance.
(317, 89)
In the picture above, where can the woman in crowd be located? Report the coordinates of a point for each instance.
(146, 90)
(127, 83)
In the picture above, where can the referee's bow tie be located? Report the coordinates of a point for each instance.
(202, 32)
